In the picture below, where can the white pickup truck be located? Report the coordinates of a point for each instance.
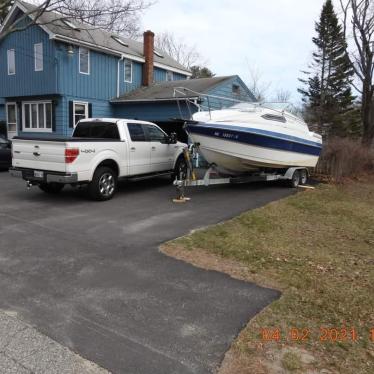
(100, 151)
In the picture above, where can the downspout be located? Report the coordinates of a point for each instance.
(119, 74)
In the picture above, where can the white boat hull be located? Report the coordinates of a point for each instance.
(236, 158)
(238, 141)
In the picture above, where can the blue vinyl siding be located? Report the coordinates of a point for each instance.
(137, 73)
(151, 112)
(159, 75)
(177, 76)
(61, 81)
(27, 81)
(100, 108)
(101, 83)
(225, 89)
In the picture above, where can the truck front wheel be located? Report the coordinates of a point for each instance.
(52, 188)
(103, 185)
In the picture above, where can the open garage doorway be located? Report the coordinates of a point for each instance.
(174, 126)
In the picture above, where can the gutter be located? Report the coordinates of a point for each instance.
(153, 100)
(119, 74)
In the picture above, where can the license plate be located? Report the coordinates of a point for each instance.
(38, 174)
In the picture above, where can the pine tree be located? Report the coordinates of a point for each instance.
(200, 72)
(327, 94)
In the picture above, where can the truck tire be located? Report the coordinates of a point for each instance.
(51, 188)
(103, 185)
(180, 168)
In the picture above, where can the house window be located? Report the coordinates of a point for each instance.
(11, 110)
(169, 75)
(84, 60)
(38, 56)
(80, 111)
(128, 71)
(236, 89)
(11, 62)
(37, 116)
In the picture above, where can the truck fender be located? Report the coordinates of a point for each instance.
(100, 158)
(179, 154)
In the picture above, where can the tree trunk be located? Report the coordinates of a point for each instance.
(367, 115)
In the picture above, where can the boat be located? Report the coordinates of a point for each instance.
(249, 137)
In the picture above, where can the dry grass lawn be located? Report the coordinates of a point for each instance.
(318, 248)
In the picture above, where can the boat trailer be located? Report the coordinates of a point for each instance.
(296, 176)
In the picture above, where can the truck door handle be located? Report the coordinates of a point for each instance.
(132, 149)
(36, 154)
(153, 148)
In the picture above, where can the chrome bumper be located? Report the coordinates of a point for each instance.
(48, 177)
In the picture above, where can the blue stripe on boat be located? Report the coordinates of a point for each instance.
(261, 138)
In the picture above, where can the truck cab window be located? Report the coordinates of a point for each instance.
(155, 134)
(96, 130)
(136, 132)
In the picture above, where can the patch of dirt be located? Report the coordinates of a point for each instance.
(240, 364)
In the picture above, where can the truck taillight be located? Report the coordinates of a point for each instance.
(71, 155)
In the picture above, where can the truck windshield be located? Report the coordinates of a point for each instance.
(97, 130)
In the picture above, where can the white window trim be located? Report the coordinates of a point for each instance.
(167, 74)
(35, 57)
(8, 60)
(36, 129)
(124, 70)
(85, 103)
(16, 113)
(89, 61)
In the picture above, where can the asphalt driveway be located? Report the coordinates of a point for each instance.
(90, 276)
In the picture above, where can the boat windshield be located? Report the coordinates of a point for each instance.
(279, 107)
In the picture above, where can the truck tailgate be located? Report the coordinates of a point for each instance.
(40, 155)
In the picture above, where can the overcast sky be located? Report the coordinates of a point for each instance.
(273, 36)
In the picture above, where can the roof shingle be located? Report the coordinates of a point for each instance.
(166, 90)
(98, 37)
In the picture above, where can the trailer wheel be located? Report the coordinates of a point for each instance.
(51, 188)
(103, 185)
(303, 177)
(295, 180)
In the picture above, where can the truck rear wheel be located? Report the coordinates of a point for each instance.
(103, 185)
(51, 188)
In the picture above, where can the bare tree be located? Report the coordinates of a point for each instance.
(120, 16)
(358, 20)
(282, 96)
(256, 84)
(186, 55)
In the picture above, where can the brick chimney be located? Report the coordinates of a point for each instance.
(149, 37)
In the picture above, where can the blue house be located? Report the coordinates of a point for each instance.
(57, 72)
